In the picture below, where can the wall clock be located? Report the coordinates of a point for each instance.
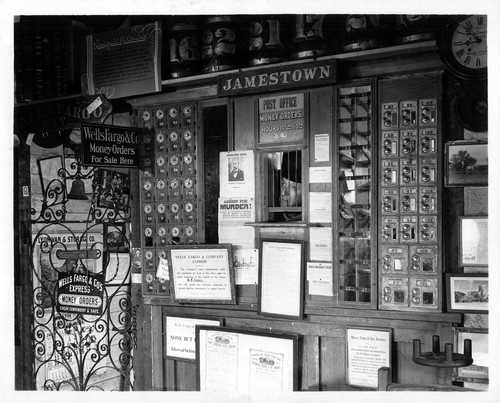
(463, 47)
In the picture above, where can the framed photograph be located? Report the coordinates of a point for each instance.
(240, 360)
(467, 292)
(202, 273)
(49, 169)
(368, 349)
(180, 336)
(473, 248)
(467, 163)
(479, 370)
(115, 238)
(113, 190)
(281, 278)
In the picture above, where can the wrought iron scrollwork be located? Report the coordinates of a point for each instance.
(81, 351)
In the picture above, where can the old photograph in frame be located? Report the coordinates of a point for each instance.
(242, 360)
(201, 273)
(180, 336)
(467, 292)
(478, 371)
(113, 190)
(368, 349)
(466, 163)
(473, 248)
(281, 278)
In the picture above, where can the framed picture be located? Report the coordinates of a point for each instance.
(473, 248)
(467, 292)
(202, 273)
(49, 169)
(180, 336)
(281, 278)
(479, 370)
(240, 360)
(115, 238)
(114, 190)
(467, 163)
(368, 349)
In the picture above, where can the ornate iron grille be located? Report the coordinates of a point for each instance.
(81, 348)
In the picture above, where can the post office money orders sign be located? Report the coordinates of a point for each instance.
(281, 119)
(80, 293)
(115, 146)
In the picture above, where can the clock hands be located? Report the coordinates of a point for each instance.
(469, 32)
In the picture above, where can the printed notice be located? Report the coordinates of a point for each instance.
(180, 336)
(222, 352)
(234, 212)
(320, 243)
(237, 175)
(367, 351)
(320, 207)
(201, 274)
(266, 371)
(320, 174)
(320, 278)
(321, 147)
(246, 266)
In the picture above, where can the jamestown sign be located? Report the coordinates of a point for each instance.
(278, 78)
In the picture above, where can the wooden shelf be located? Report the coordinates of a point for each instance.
(372, 54)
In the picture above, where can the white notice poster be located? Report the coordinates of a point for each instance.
(320, 207)
(320, 278)
(320, 243)
(237, 176)
(367, 351)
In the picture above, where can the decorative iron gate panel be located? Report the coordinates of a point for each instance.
(83, 327)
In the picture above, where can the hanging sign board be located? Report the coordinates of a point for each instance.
(278, 78)
(124, 62)
(80, 293)
(115, 146)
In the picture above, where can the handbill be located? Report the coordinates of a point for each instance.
(180, 336)
(237, 177)
(320, 243)
(367, 351)
(320, 207)
(320, 278)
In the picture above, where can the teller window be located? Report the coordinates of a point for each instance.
(284, 187)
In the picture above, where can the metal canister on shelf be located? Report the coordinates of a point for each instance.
(309, 40)
(264, 41)
(357, 36)
(184, 40)
(385, 28)
(221, 43)
(418, 28)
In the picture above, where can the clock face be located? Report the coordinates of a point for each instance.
(468, 42)
(463, 47)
